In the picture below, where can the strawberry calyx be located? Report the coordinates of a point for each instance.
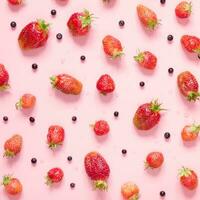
(193, 96)
(155, 106)
(139, 58)
(134, 197)
(117, 53)
(48, 182)
(9, 154)
(188, 7)
(195, 129)
(53, 145)
(4, 87)
(151, 24)
(53, 80)
(101, 185)
(18, 105)
(6, 180)
(86, 18)
(43, 25)
(184, 172)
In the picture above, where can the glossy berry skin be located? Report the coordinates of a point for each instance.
(191, 43)
(105, 84)
(66, 84)
(188, 178)
(97, 169)
(147, 116)
(79, 23)
(34, 35)
(183, 9)
(130, 191)
(12, 185)
(154, 160)
(15, 2)
(4, 78)
(147, 17)
(188, 85)
(190, 132)
(54, 175)
(162, 193)
(146, 59)
(26, 101)
(55, 136)
(101, 127)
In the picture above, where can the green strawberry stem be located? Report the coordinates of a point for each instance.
(101, 185)
(139, 58)
(155, 106)
(195, 128)
(9, 154)
(48, 181)
(134, 197)
(189, 7)
(184, 172)
(4, 87)
(117, 54)
(146, 165)
(6, 180)
(43, 25)
(18, 105)
(53, 80)
(54, 146)
(86, 19)
(193, 96)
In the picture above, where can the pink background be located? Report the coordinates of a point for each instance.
(56, 108)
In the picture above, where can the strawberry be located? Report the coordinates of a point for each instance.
(15, 2)
(101, 127)
(54, 175)
(130, 191)
(4, 77)
(190, 132)
(105, 84)
(112, 46)
(191, 43)
(188, 85)
(12, 185)
(147, 115)
(154, 160)
(66, 84)
(146, 59)
(34, 35)
(183, 9)
(188, 178)
(55, 136)
(13, 146)
(80, 22)
(97, 169)
(26, 101)
(147, 17)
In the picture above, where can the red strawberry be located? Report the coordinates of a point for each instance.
(191, 43)
(154, 160)
(55, 136)
(105, 84)
(13, 146)
(4, 77)
(147, 115)
(54, 175)
(146, 59)
(15, 2)
(66, 84)
(112, 46)
(34, 35)
(183, 9)
(147, 17)
(188, 85)
(188, 178)
(80, 22)
(101, 127)
(97, 169)
(26, 101)
(190, 132)
(130, 191)
(12, 185)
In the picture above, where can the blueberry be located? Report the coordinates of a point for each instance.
(170, 37)
(5, 118)
(13, 24)
(53, 12)
(162, 193)
(34, 160)
(170, 70)
(167, 135)
(121, 23)
(72, 185)
(83, 58)
(32, 119)
(34, 66)
(59, 36)
(142, 84)
(162, 1)
(69, 158)
(116, 113)
(74, 118)
(124, 151)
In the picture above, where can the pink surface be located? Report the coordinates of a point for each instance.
(56, 108)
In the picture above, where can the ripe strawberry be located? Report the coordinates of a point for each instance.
(13, 146)
(188, 178)
(191, 43)
(34, 35)
(190, 132)
(101, 127)
(112, 46)
(66, 84)
(80, 22)
(147, 17)
(146, 59)
(105, 84)
(55, 136)
(130, 191)
(97, 169)
(54, 175)
(183, 9)
(26, 101)
(12, 185)
(188, 85)
(154, 160)
(4, 77)
(15, 2)
(147, 115)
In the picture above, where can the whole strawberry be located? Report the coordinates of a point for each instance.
(183, 9)
(12, 185)
(147, 17)
(105, 84)
(80, 22)
(188, 178)
(154, 160)
(26, 101)
(147, 115)
(130, 191)
(55, 136)
(54, 175)
(97, 169)
(191, 43)
(101, 127)
(15, 2)
(112, 46)
(66, 84)
(190, 132)
(188, 85)
(146, 59)
(34, 35)
(13, 146)
(4, 78)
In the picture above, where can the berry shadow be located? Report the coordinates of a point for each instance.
(110, 4)
(188, 193)
(61, 2)
(153, 172)
(34, 52)
(16, 8)
(13, 197)
(118, 62)
(183, 22)
(105, 98)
